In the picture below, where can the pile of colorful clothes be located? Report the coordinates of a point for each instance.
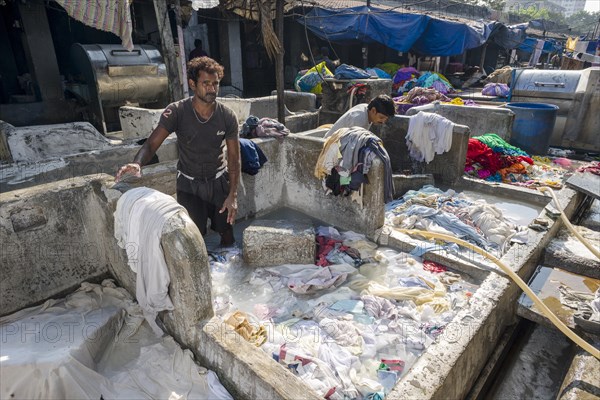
(403, 77)
(491, 158)
(417, 96)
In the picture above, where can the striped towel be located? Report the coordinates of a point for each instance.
(107, 15)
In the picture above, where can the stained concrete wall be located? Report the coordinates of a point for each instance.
(446, 168)
(137, 122)
(300, 109)
(287, 180)
(20, 175)
(304, 192)
(53, 237)
(41, 142)
(480, 120)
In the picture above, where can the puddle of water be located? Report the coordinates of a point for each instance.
(545, 283)
(518, 212)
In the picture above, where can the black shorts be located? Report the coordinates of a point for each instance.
(203, 200)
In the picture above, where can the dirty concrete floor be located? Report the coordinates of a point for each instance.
(535, 366)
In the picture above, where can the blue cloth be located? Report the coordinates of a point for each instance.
(346, 71)
(449, 222)
(252, 157)
(378, 73)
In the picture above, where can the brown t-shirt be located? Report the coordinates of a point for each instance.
(201, 144)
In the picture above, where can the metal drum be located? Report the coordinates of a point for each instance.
(110, 76)
(577, 95)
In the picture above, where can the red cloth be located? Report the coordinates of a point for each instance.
(593, 167)
(324, 246)
(434, 267)
(480, 153)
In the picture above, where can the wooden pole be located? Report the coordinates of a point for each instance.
(182, 52)
(279, 63)
(168, 49)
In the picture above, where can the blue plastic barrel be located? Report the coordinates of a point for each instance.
(533, 126)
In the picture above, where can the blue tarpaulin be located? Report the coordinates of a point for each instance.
(406, 31)
(360, 23)
(550, 46)
(446, 38)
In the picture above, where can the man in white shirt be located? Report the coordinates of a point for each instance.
(364, 115)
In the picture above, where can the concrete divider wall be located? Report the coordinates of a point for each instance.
(137, 122)
(53, 237)
(27, 174)
(263, 192)
(301, 113)
(304, 192)
(446, 168)
(480, 120)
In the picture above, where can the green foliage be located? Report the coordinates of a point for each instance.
(497, 5)
(582, 22)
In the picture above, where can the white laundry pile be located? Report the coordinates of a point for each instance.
(94, 344)
(350, 337)
(428, 134)
(476, 221)
(139, 219)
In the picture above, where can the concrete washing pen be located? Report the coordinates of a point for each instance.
(553, 318)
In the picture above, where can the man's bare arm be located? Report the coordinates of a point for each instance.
(145, 153)
(234, 168)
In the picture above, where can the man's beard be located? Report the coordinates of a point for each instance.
(208, 98)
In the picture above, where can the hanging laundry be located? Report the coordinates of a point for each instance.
(428, 134)
(110, 16)
(139, 218)
(344, 153)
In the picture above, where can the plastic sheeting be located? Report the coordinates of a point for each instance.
(404, 31)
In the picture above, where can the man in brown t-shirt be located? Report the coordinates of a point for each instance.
(208, 170)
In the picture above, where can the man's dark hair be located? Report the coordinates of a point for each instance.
(206, 64)
(198, 43)
(383, 104)
(325, 51)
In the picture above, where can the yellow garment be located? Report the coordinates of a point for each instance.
(571, 43)
(323, 70)
(457, 101)
(418, 295)
(239, 322)
(321, 169)
(542, 160)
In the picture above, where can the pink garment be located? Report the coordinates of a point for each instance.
(272, 128)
